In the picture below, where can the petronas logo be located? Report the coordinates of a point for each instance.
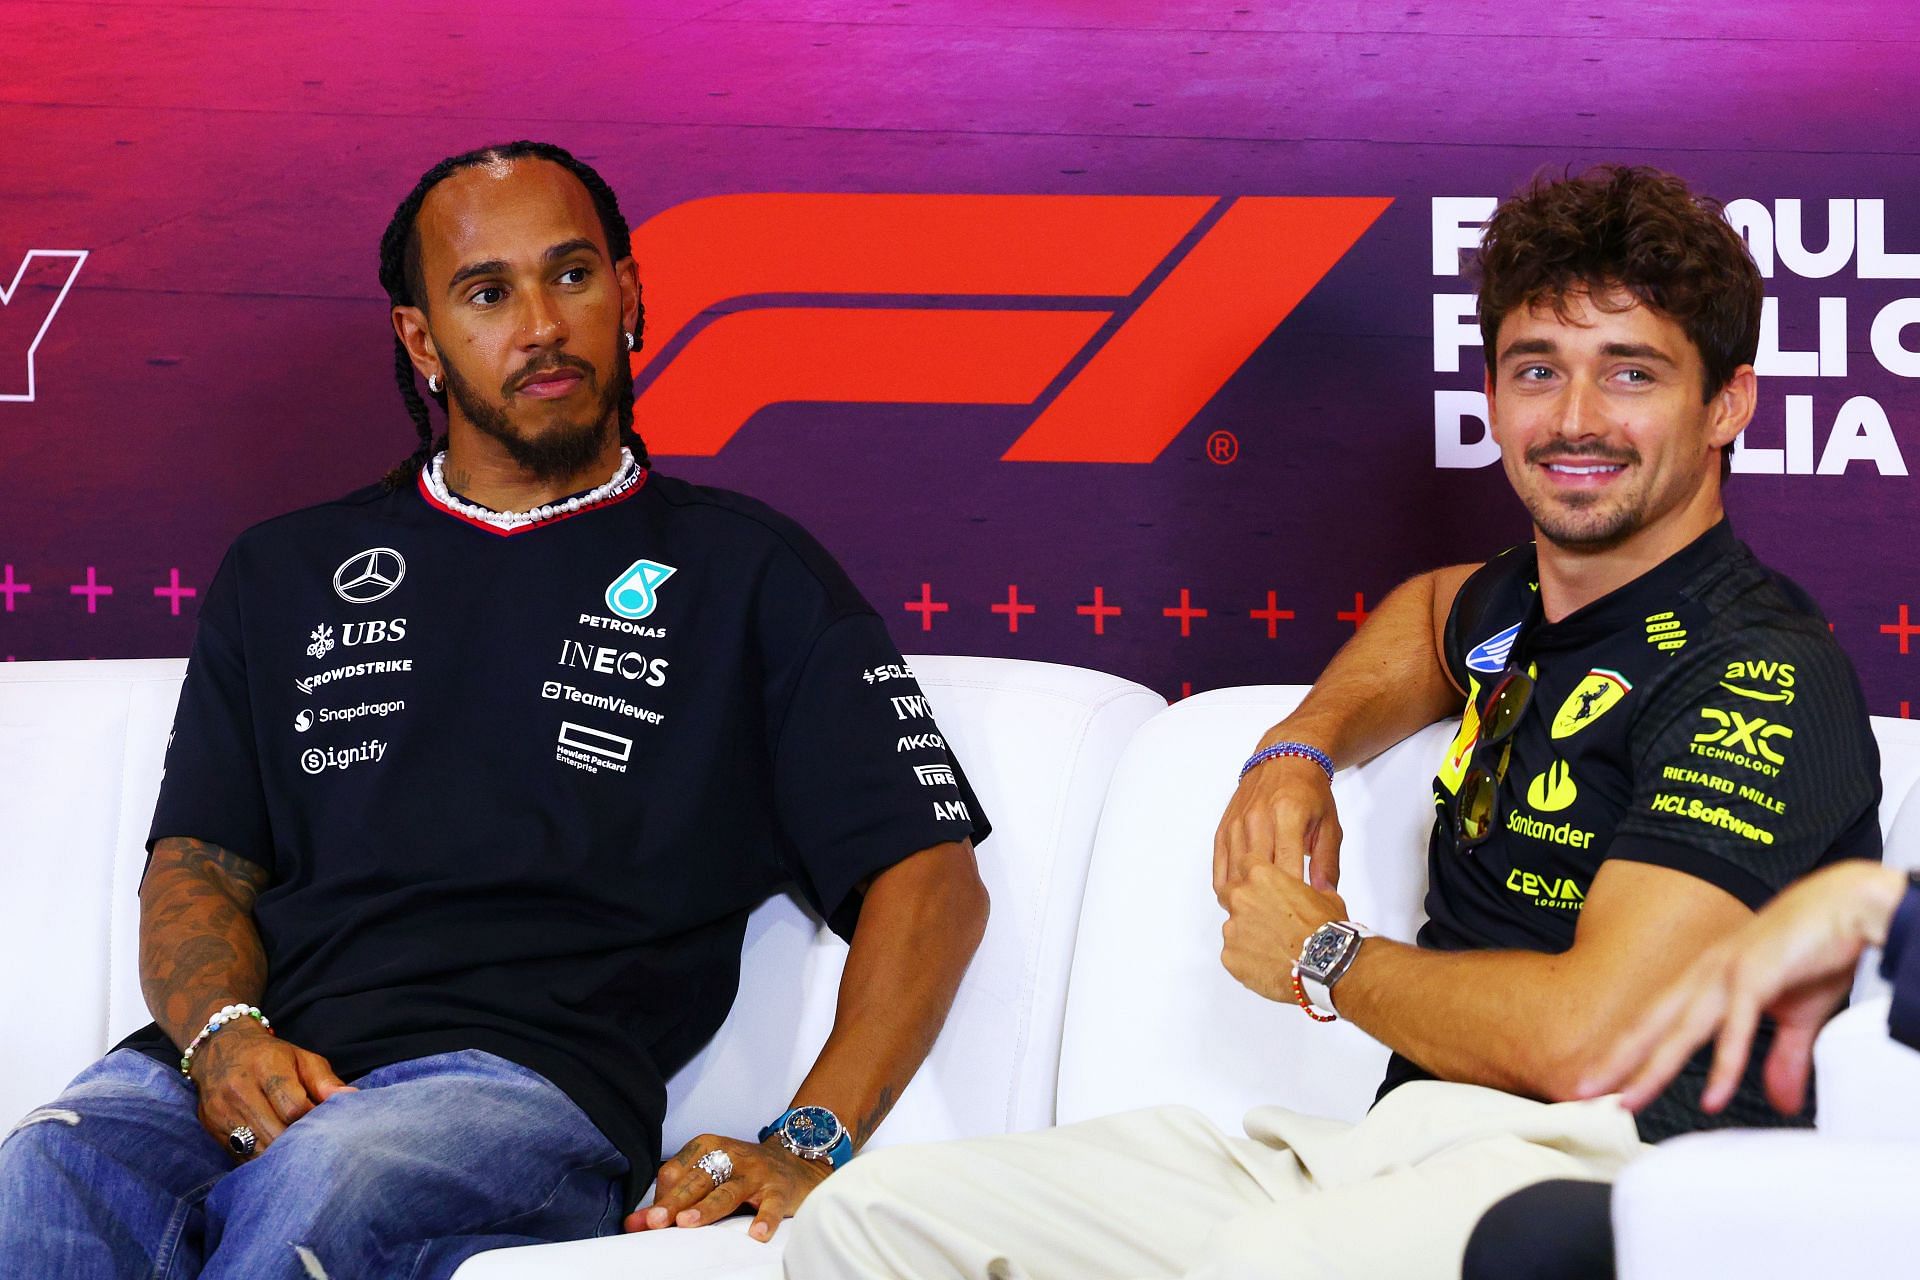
(1553, 790)
(631, 594)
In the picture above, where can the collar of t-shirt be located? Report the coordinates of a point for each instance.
(1626, 605)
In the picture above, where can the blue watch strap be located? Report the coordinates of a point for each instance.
(836, 1155)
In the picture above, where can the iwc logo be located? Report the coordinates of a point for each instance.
(371, 575)
(631, 595)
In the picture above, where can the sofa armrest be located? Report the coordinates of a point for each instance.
(704, 1253)
(1867, 1082)
(1766, 1203)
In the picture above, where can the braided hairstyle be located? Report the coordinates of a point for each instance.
(401, 277)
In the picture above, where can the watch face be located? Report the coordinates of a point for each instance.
(1323, 948)
(812, 1128)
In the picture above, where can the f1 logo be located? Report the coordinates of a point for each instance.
(1152, 303)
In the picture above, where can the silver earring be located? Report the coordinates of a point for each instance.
(629, 340)
(433, 383)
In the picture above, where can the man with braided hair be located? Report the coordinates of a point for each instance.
(476, 775)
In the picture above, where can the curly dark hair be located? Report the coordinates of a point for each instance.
(400, 276)
(1628, 228)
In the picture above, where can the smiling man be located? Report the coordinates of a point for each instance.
(475, 778)
(1658, 735)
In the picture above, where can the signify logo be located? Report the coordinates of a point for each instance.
(317, 760)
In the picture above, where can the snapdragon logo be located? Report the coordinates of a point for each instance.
(342, 715)
(317, 760)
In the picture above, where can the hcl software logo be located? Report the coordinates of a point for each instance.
(1146, 305)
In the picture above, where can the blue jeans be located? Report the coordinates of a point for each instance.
(434, 1160)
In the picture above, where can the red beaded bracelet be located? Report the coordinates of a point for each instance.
(1300, 995)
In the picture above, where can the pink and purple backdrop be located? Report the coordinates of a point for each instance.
(221, 352)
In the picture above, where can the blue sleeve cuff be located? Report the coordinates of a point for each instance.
(1900, 932)
(1900, 965)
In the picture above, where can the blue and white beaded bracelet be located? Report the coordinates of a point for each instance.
(1279, 749)
(227, 1014)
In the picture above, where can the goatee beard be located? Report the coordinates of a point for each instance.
(557, 453)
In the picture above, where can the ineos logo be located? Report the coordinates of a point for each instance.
(371, 575)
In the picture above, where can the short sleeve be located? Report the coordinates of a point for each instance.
(1486, 616)
(1753, 763)
(211, 787)
(863, 777)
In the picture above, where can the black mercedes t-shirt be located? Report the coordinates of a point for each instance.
(518, 793)
(1701, 718)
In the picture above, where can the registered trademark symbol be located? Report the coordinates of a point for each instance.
(1223, 447)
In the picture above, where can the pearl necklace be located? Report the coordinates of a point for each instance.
(624, 478)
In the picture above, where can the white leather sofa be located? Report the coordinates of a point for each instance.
(1153, 1018)
(1098, 989)
(80, 763)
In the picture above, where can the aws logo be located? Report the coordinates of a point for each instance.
(1777, 674)
(1115, 317)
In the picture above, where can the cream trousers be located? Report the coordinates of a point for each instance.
(1163, 1193)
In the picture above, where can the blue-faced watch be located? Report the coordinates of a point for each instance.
(812, 1133)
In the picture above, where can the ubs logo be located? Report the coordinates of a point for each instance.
(375, 632)
(371, 575)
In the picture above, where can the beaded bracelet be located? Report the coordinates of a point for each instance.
(1300, 749)
(227, 1014)
(1300, 997)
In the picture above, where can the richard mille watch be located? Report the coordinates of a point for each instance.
(1325, 959)
(813, 1133)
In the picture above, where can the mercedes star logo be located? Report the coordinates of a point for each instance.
(371, 575)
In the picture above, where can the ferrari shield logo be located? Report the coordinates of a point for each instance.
(1592, 698)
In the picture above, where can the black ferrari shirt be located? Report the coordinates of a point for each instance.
(519, 793)
(1700, 718)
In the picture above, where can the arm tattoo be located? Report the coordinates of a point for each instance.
(199, 947)
(875, 1114)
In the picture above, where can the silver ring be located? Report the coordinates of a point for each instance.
(242, 1142)
(717, 1165)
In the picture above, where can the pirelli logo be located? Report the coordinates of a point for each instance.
(935, 775)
